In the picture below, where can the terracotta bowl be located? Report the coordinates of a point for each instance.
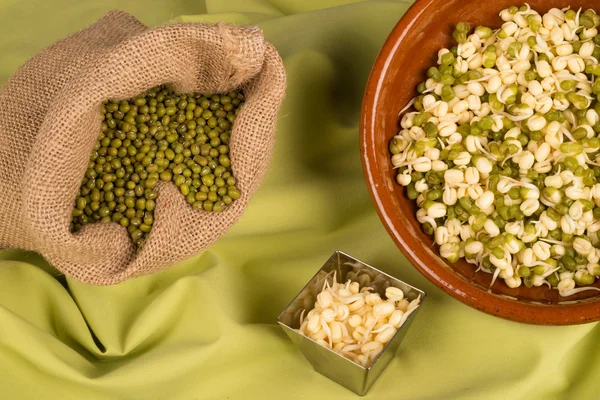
(408, 52)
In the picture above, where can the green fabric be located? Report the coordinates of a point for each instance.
(206, 329)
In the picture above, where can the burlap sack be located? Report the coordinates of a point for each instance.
(50, 120)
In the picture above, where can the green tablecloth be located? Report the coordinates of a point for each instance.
(205, 329)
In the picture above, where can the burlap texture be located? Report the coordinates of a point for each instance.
(50, 119)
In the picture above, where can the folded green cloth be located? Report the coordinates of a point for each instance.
(205, 329)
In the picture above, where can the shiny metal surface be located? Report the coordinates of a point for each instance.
(342, 267)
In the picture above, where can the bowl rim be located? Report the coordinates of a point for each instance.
(444, 278)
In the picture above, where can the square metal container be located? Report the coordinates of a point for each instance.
(325, 361)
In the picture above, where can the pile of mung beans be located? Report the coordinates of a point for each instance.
(158, 136)
(500, 149)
